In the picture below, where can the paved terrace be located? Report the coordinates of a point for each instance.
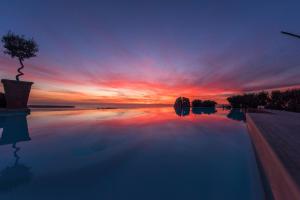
(276, 137)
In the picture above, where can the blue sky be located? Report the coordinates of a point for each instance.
(153, 51)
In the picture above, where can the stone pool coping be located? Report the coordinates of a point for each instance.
(276, 138)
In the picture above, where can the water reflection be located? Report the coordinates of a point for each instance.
(15, 129)
(182, 111)
(144, 153)
(195, 110)
(199, 111)
(236, 114)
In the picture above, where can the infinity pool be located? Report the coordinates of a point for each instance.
(141, 153)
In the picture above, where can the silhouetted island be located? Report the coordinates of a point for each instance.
(50, 106)
(106, 108)
(182, 102)
(205, 103)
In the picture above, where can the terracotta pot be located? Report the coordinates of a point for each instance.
(2, 100)
(16, 93)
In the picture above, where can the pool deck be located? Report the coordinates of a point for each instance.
(276, 137)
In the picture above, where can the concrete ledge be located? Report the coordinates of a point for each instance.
(8, 111)
(282, 184)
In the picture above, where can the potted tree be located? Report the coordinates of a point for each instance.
(16, 91)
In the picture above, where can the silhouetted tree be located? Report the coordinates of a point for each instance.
(209, 103)
(291, 99)
(277, 100)
(197, 103)
(235, 101)
(262, 98)
(182, 102)
(182, 106)
(287, 100)
(206, 103)
(249, 100)
(20, 47)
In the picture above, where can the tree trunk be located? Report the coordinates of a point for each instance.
(19, 70)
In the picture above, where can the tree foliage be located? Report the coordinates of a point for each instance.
(197, 103)
(205, 103)
(18, 46)
(182, 102)
(280, 100)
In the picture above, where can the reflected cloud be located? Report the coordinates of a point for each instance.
(15, 129)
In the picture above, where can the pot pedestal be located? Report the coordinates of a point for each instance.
(16, 93)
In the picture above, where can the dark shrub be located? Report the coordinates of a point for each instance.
(277, 100)
(209, 103)
(182, 102)
(292, 100)
(288, 100)
(262, 98)
(235, 101)
(206, 103)
(249, 100)
(197, 103)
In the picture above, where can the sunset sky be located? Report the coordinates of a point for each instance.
(151, 52)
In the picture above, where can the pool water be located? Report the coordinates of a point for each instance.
(141, 153)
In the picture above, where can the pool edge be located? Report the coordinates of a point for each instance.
(281, 183)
